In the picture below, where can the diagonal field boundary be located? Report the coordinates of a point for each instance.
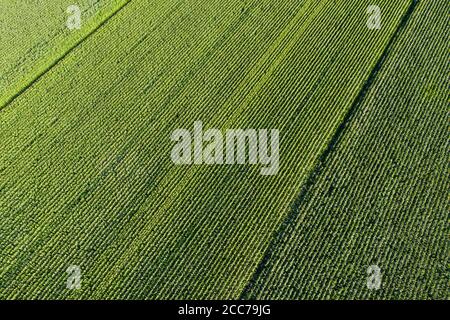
(283, 230)
(54, 63)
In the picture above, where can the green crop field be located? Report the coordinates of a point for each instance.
(88, 181)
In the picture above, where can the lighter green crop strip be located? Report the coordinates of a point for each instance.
(325, 121)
